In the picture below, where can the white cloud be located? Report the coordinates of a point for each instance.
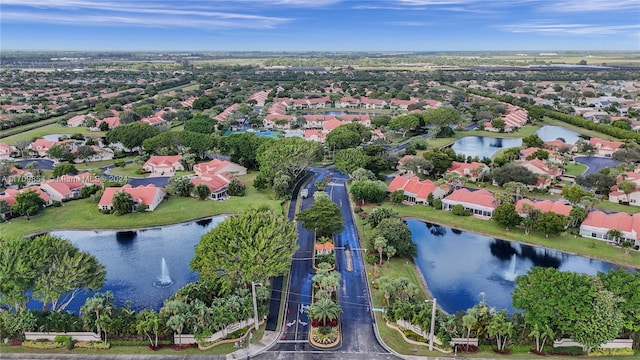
(569, 29)
(594, 5)
(133, 13)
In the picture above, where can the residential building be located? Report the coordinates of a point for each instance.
(605, 147)
(217, 184)
(149, 196)
(217, 166)
(559, 207)
(164, 165)
(597, 225)
(473, 170)
(480, 203)
(9, 195)
(68, 187)
(618, 196)
(6, 150)
(415, 190)
(41, 146)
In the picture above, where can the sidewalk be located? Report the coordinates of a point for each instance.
(268, 339)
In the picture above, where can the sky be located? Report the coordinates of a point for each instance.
(320, 25)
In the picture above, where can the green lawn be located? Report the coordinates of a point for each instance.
(568, 243)
(84, 214)
(129, 170)
(52, 129)
(576, 169)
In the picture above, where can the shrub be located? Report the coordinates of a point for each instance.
(612, 352)
(62, 338)
(328, 258)
(119, 163)
(69, 344)
(56, 203)
(371, 259)
(44, 345)
(569, 350)
(236, 188)
(97, 345)
(460, 210)
(437, 203)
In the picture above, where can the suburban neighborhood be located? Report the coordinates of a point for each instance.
(352, 173)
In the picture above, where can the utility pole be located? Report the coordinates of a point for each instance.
(433, 323)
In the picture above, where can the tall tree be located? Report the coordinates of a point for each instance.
(202, 124)
(64, 169)
(550, 223)
(573, 193)
(368, 191)
(627, 187)
(287, 156)
(397, 235)
(404, 123)
(323, 216)
(252, 246)
(243, 148)
(550, 296)
(602, 324)
(349, 160)
(132, 135)
(180, 185)
(506, 215)
(122, 202)
(28, 203)
(347, 136)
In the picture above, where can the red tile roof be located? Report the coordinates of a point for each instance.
(480, 197)
(558, 207)
(618, 221)
(142, 194)
(163, 161)
(412, 186)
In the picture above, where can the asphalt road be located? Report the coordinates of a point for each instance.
(357, 324)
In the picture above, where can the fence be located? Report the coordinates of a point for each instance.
(613, 344)
(51, 336)
(190, 338)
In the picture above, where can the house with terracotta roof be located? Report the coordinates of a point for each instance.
(278, 121)
(315, 135)
(598, 223)
(6, 150)
(324, 249)
(363, 119)
(76, 121)
(540, 167)
(559, 207)
(217, 166)
(41, 146)
(224, 115)
(217, 184)
(100, 153)
(402, 104)
(156, 120)
(112, 122)
(415, 190)
(68, 187)
(618, 196)
(164, 165)
(559, 146)
(9, 195)
(515, 118)
(369, 103)
(377, 134)
(149, 196)
(473, 170)
(479, 203)
(605, 147)
(19, 176)
(347, 102)
(260, 97)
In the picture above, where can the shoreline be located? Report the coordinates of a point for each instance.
(635, 267)
(128, 229)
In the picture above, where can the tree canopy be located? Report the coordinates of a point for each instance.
(347, 136)
(323, 216)
(253, 246)
(349, 160)
(132, 135)
(48, 268)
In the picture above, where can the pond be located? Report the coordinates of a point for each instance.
(595, 163)
(552, 132)
(134, 260)
(457, 265)
(483, 146)
(43, 164)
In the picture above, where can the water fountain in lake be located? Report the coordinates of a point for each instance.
(165, 279)
(510, 274)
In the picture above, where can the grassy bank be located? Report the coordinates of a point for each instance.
(52, 129)
(84, 214)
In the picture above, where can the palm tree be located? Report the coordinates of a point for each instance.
(380, 243)
(324, 310)
(615, 235)
(332, 282)
(469, 320)
(541, 334)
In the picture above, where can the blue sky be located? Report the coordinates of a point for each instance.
(320, 25)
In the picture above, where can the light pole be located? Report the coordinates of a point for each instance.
(433, 323)
(255, 303)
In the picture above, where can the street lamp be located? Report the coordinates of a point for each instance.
(255, 303)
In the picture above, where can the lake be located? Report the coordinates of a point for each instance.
(458, 265)
(483, 146)
(133, 260)
(552, 132)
